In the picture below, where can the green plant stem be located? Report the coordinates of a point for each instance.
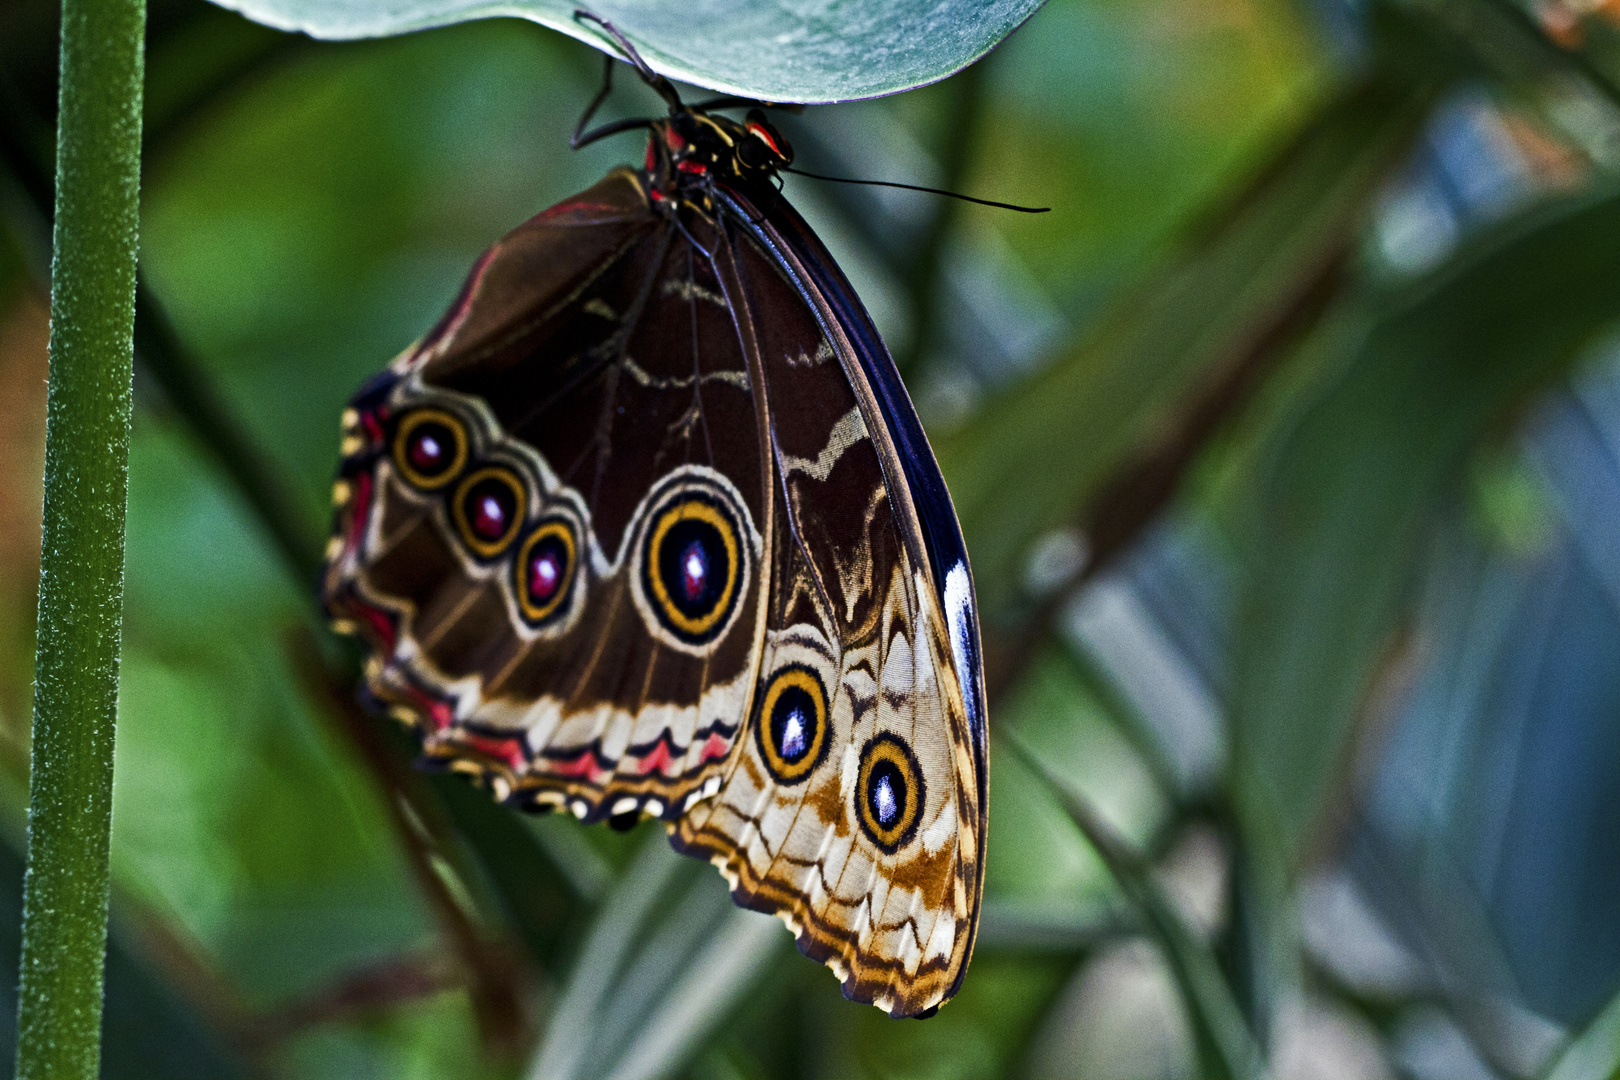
(64, 933)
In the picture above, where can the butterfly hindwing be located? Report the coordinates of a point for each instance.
(851, 806)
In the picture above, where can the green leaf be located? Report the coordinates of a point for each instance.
(774, 52)
(1347, 479)
(668, 958)
(1034, 459)
(1594, 1053)
(1227, 1050)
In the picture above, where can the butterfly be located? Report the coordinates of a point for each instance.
(646, 526)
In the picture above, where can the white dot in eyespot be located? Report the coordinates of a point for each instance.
(883, 803)
(793, 735)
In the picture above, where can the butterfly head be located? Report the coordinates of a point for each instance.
(691, 147)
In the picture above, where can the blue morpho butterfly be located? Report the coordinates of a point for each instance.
(647, 525)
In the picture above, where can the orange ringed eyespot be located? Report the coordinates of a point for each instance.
(791, 724)
(430, 448)
(489, 508)
(692, 565)
(545, 570)
(889, 792)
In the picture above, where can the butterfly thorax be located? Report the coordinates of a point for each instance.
(690, 150)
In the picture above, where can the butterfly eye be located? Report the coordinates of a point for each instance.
(488, 509)
(888, 792)
(791, 725)
(430, 448)
(691, 567)
(544, 571)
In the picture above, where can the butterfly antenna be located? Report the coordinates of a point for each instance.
(917, 187)
(665, 88)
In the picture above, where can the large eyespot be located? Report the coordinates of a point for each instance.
(692, 566)
(488, 508)
(544, 571)
(430, 448)
(790, 724)
(889, 792)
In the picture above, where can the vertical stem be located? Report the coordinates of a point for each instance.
(81, 587)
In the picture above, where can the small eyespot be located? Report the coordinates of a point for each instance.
(691, 567)
(430, 448)
(889, 792)
(790, 724)
(488, 508)
(545, 571)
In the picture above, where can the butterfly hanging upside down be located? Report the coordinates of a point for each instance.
(647, 525)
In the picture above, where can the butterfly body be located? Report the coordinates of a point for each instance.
(647, 526)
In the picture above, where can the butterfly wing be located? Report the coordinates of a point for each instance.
(854, 807)
(647, 524)
(551, 515)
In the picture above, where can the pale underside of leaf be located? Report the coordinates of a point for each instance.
(836, 50)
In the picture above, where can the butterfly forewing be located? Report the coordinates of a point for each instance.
(629, 532)
(512, 476)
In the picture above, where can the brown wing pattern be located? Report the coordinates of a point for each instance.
(626, 533)
(550, 518)
(851, 806)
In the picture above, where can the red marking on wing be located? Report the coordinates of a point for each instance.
(509, 750)
(381, 622)
(656, 762)
(453, 318)
(696, 167)
(559, 210)
(437, 713)
(715, 748)
(362, 512)
(584, 765)
(373, 426)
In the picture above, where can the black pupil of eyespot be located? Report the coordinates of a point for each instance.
(692, 564)
(430, 448)
(548, 562)
(886, 793)
(793, 722)
(490, 506)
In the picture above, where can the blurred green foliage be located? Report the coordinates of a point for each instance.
(1229, 329)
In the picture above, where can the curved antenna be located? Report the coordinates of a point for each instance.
(665, 88)
(917, 187)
